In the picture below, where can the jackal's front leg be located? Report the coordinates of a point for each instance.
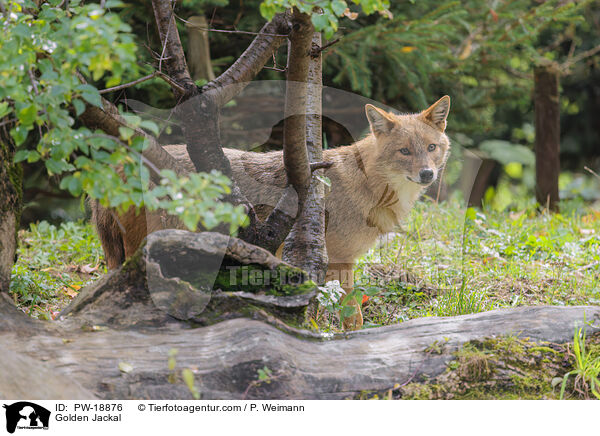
(344, 273)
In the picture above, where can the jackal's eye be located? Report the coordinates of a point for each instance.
(405, 151)
(431, 147)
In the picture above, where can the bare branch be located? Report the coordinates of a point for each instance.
(242, 32)
(581, 56)
(33, 82)
(316, 49)
(109, 120)
(247, 66)
(128, 85)
(144, 79)
(172, 48)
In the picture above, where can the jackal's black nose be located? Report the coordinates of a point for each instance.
(426, 175)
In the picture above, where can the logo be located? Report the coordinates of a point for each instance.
(26, 415)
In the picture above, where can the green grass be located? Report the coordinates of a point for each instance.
(445, 261)
(449, 260)
(586, 371)
(53, 264)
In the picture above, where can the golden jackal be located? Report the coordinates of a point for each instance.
(374, 184)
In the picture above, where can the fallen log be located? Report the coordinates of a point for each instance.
(115, 339)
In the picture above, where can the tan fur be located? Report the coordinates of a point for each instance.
(373, 187)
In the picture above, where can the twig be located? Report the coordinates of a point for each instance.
(4, 123)
(318, 165)
(256, 383)
(414, 374)
(144, 79)
(441, 180)
(32, 78)
(281, 70)
(583, 268)
(586, 54)
(128, 85)
(275, 67)
(316, 50)
(195, 26)
(591, 171)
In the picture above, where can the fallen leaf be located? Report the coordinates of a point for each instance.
(350, 15)
(494, 15)
(70, 292)
(386, 13)
(125, 367)
(88, 269)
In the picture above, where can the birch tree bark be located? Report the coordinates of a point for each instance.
(305, 245)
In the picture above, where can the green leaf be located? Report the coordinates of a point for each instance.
(150, 125)
(188, 378)
(90, 94)
(125, 133)
(74, 186)
(79, 106)
(4, 109)
(471, 214)
(19, 134)
(28, 115)
(323, 179)
(320, 21)
(338, 6)
(21, 155)
(267, 11)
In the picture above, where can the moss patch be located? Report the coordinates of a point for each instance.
(501, 368)
(498, 368)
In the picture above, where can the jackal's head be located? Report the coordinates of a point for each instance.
(410, 147)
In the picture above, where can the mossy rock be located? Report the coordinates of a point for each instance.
(201, 278)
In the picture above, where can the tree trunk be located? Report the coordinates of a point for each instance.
(199, 111)
(249, 64)
(305, 245)
(547, 136)
(198, 50)
(11, 178)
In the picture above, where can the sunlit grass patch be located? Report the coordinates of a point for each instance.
(449, 260)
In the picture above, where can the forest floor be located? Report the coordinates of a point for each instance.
(446, 260)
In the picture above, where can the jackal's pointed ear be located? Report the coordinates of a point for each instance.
(437, 113)
(381, 122)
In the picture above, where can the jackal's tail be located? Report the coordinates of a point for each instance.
(110, 235)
